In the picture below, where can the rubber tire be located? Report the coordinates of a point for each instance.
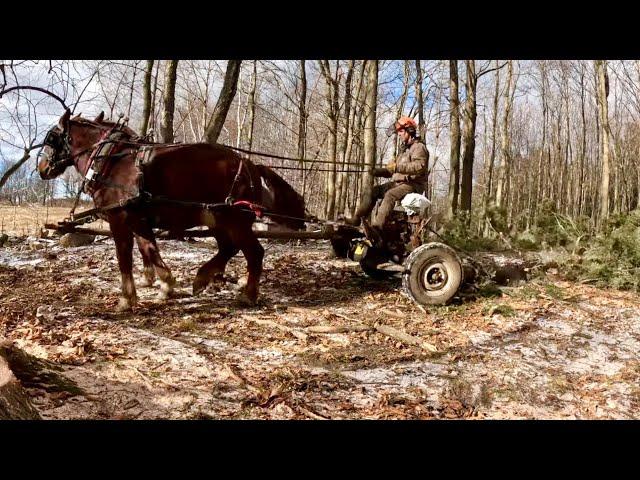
(422, 257)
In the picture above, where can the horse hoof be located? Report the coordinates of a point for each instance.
(245, 300)
(125, 305)
(199, 286)
(166, 290)
(145, 282)
(163, 296)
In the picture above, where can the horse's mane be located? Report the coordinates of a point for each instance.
(104, 123)
(287, 200)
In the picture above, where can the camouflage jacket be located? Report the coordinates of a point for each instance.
(412, 164)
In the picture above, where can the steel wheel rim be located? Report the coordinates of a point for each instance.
(434, 276)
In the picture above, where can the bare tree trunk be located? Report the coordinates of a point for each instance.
(169, 101)
(603, 110)
(154, 123)
(502, 188)
(488, 188)
(371, 100)
(539, 195)
(133, 84)
(332, 114)
(342, 149)
(469, 132)
(146, 111)
(252, 104)
(228, 92)
(454, 128)
(354, 134)
(302, 122)
(403, 101)
(420, 100)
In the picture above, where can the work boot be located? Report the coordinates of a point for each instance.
(374, 234)
(353, 221)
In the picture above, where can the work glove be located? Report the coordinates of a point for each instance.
(391, 166)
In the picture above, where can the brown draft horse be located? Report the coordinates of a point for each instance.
(200, 173)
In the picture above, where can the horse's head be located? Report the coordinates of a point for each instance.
(71, 138)
(280, 197)
(55, 155)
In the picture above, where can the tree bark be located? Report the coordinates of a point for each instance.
(488, 187)
(252, 104)
(603, 111)
(371, 100)
(420, 100)
(454, 128)
(14, 400)
(469, 136)
(169, 101)
(332, 114)
(502, 189)
(146, 110)
(227, 94)
(342, 149)
(302, 121)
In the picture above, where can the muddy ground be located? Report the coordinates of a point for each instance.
(546, 349)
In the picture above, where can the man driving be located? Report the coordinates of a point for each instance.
(408, 174)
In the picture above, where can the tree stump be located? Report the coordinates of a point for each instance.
(14, 401)
(34, 372)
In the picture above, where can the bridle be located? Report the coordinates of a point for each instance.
(60, 143)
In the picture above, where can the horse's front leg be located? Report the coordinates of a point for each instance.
(123, 238)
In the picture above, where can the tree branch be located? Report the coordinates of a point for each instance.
(38, 89)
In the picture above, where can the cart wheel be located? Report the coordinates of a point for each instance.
(432, 274)
(370, 262)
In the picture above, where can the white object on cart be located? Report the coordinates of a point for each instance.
(415, 203)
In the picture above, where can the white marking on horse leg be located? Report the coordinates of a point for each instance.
(166, 288)
(128, 298)
(148, 277)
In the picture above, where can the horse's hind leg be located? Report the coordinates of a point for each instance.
(214, 268)
(149, 250)
(148, 273)
(123, 239)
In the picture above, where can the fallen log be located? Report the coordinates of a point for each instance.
(282, 235)
(338, 328)
(405, 338)
(269, 323)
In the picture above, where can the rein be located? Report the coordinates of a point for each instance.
(92, 176)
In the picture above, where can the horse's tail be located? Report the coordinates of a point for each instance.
(286, 201)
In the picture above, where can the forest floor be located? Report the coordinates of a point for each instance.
(546, 349)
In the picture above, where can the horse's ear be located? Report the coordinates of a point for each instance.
(63, 123)
(77, 117)
(99, 118)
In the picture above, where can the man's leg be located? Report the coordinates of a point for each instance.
(366, 207)
(391, 197)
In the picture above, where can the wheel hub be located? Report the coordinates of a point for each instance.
(434, 276)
